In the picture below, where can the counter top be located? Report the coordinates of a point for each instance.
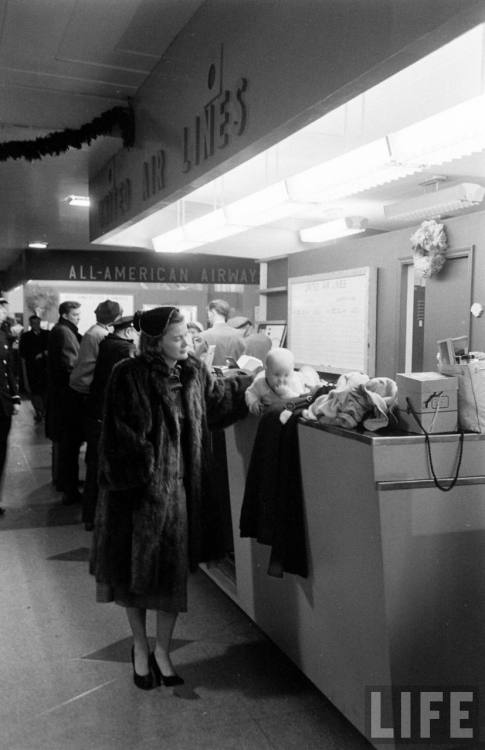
(390, 436)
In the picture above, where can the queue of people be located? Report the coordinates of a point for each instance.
(137, 389)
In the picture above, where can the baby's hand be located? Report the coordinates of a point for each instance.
(256, 408)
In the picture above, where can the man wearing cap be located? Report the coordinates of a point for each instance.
(118, 345)
(9, 398)
(73, 424)
(256, 344)
(227, 341)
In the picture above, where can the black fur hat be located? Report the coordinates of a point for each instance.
(155, 322)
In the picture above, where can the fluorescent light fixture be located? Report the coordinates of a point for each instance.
(173, 242)
(207, 228)
(452, 134)
(210, 227)
(353, 172)
(332, 230)
(444, 202)
(78, 200)
(261, 207)
(37, 245)
(268, 205)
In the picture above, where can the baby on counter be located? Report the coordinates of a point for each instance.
(279, 382)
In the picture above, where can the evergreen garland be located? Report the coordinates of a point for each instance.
(57, 143)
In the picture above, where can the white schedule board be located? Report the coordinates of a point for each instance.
(332, 320)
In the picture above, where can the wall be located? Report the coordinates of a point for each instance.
(384, 252)
(242, 299)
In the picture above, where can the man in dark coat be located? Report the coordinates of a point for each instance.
(33, 356)
(62, 353)
(116, 346)
(9, 398)
(73, 426)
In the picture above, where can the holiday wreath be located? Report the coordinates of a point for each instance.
(429, 244)
(116, 119)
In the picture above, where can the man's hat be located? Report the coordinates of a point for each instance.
(107, 311)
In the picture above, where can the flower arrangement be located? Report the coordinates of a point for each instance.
(429, 244)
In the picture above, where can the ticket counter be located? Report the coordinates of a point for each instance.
(396, 591)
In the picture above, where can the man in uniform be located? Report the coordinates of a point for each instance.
(9, 397)
(33, 356)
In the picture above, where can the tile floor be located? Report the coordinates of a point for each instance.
(65, 676)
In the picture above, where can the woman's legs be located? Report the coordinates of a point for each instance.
(137, 619)
(165, 626)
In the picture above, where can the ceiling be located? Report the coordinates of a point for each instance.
(64, 62)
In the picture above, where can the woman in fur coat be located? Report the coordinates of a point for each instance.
(157, 515)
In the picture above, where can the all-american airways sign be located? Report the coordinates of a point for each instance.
(132, 266)
(168, 274)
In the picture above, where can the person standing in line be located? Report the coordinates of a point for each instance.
(62, 353)
(256, 344)
(120, 344)
(33, 346)
(157, 514)
(73, 424)
(227, 341)
(9, 397)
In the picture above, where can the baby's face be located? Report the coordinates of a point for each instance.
(278, 376)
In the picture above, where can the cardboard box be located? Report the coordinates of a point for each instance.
(433, 397)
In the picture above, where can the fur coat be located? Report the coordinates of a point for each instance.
(140, 539)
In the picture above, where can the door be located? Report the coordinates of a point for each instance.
(447, 303)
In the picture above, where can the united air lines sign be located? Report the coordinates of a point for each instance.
(136, 179)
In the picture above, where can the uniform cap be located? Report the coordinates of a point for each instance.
(124, 322)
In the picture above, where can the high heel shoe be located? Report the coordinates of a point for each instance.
(168, 680)
(142, 681)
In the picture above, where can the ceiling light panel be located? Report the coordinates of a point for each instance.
(360, 169)
(445, 202)
(451, 134)
(332, 230)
